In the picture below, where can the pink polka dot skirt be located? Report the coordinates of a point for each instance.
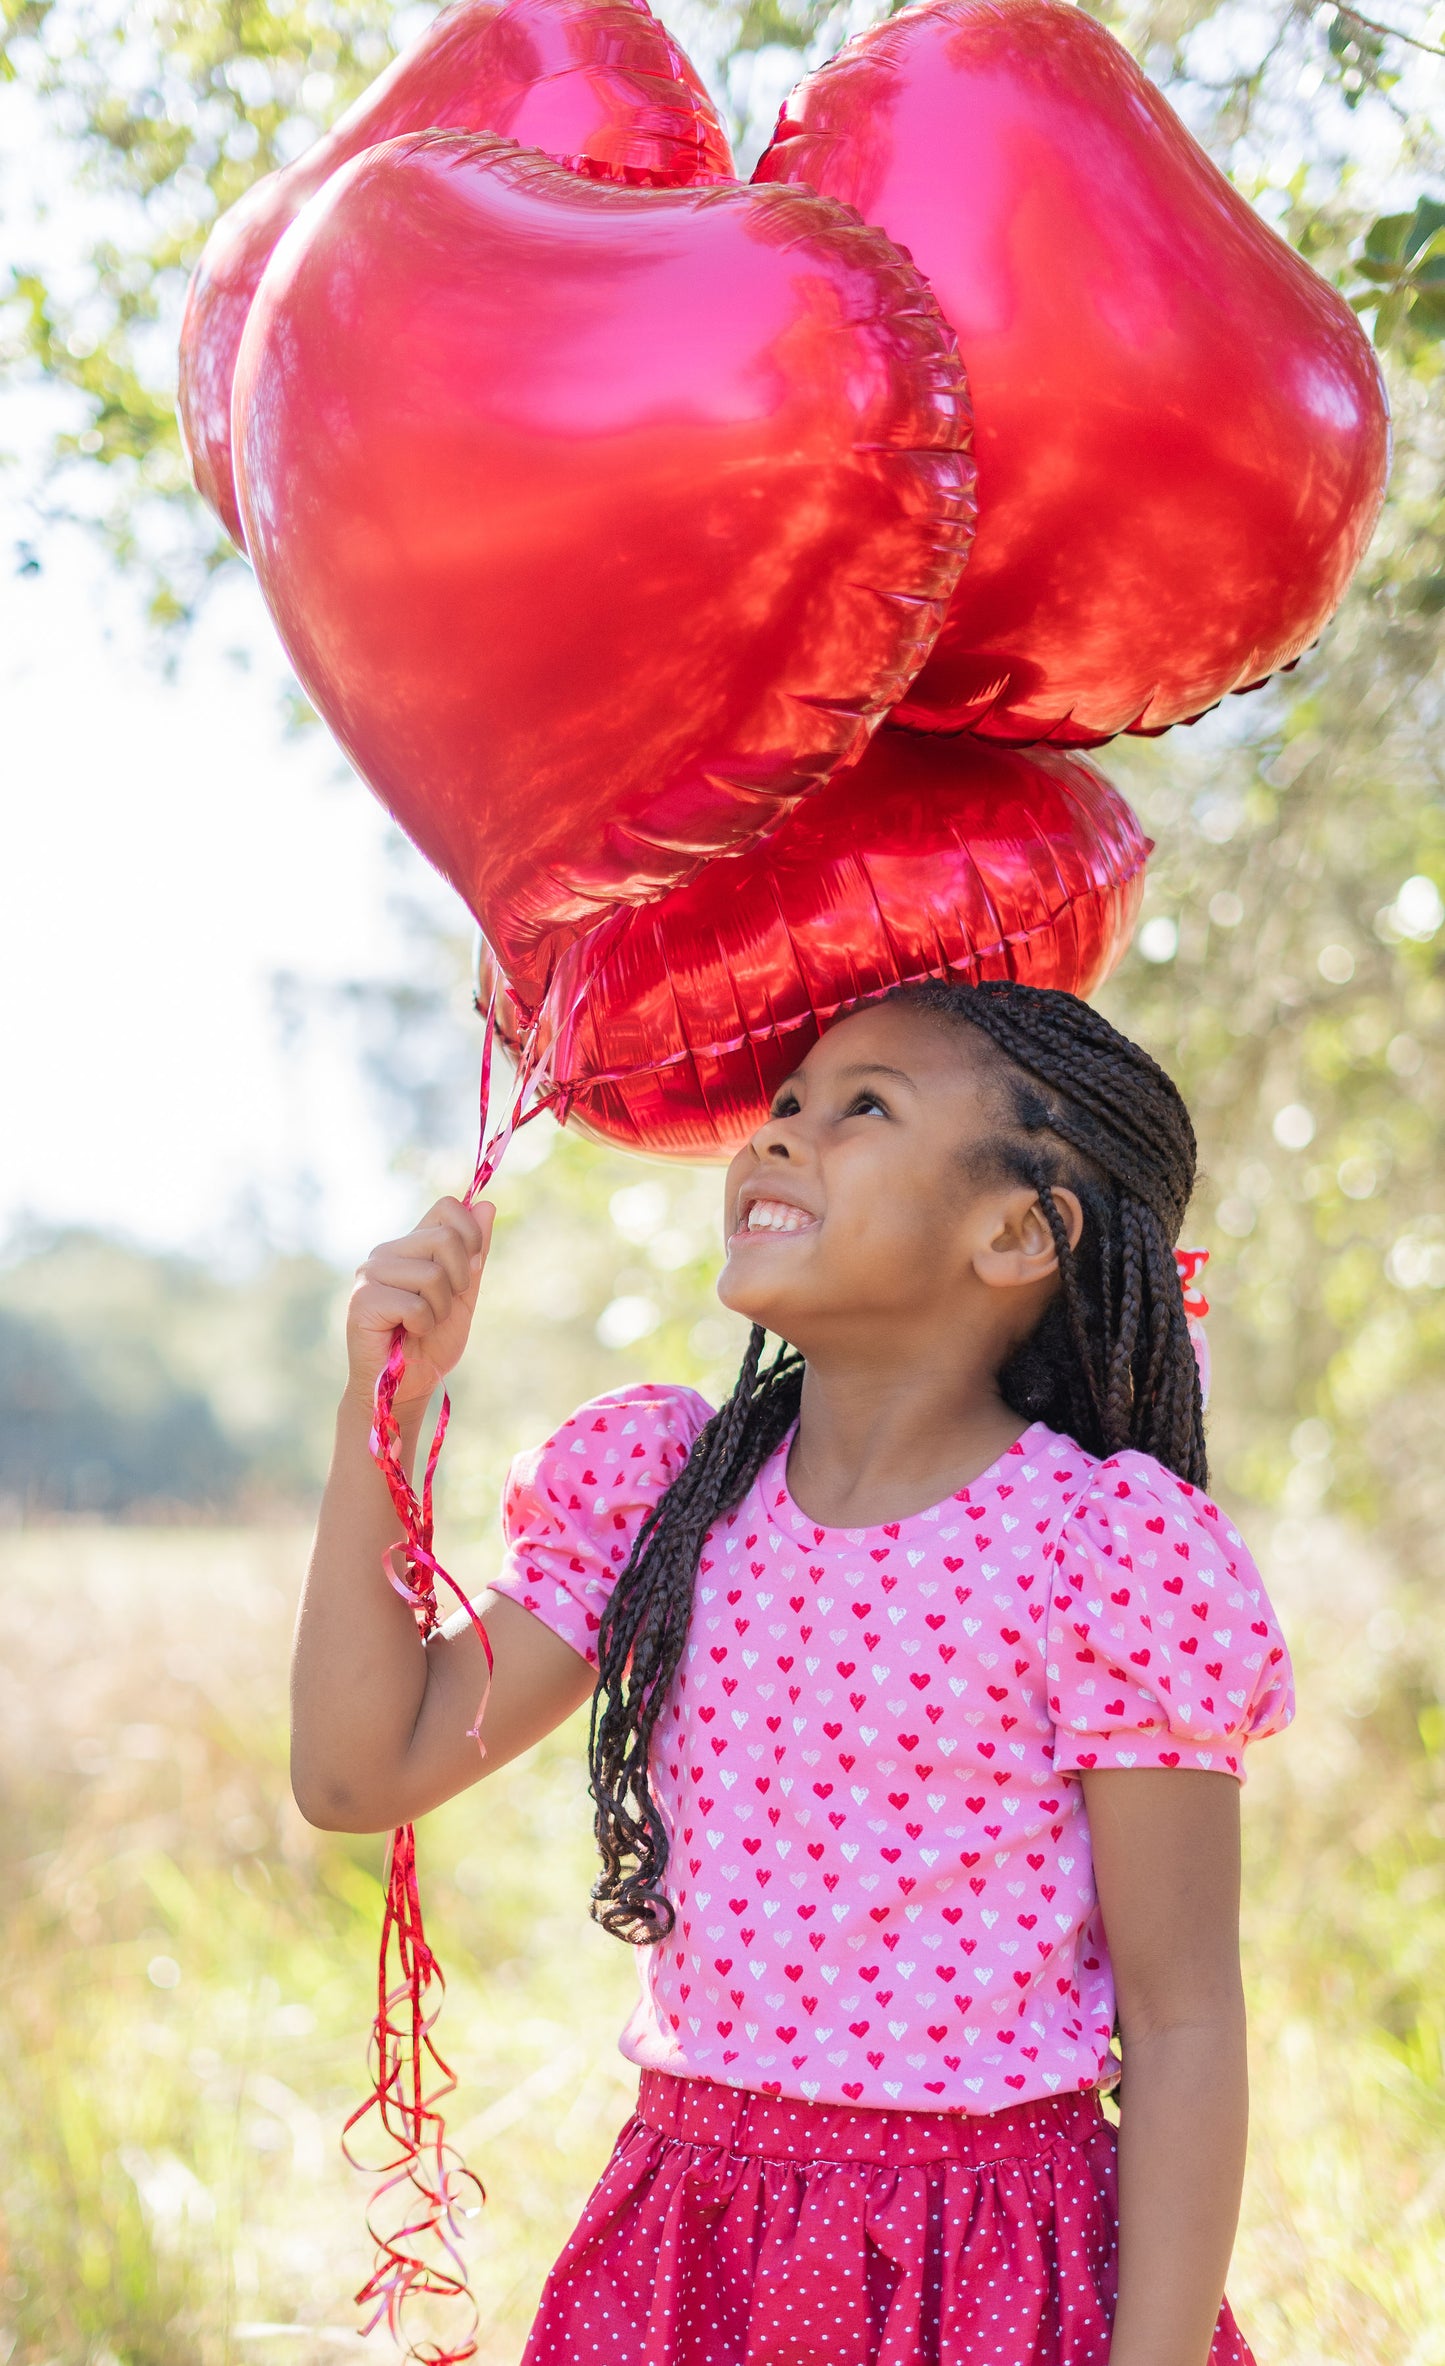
(732, 2228)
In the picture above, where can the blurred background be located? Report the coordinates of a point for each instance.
(238, 1048)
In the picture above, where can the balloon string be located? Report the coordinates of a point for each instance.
(425, 2189)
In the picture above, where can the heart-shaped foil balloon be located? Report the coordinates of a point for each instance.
(600, 524)
(1181, 430)
(669, 1029)
(597, 84)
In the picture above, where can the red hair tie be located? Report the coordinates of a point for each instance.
(1191, 1264)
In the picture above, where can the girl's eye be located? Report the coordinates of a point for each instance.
(786, 1105)
(862, 1102)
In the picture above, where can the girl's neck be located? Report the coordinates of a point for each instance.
(874, 1446)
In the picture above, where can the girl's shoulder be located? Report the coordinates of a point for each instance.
(1123, 1498)
(1160, 1626)
(1134, 1496)
(572, 1506)
(618, 1449)
(651, 1424)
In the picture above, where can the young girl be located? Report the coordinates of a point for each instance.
(921, 1677)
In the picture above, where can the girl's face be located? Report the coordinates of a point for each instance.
(858, 1198)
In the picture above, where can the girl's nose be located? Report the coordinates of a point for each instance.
(774, 1139)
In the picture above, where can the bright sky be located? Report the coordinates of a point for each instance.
(168, 851)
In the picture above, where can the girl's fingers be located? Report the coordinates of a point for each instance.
(424, 1277)
(428, 1251)
(471, 1227)
(377, 1307)
(468, 1234)
(445, 1247)
(452, 1236)
(418, 1282)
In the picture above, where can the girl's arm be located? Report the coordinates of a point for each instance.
(1166, 1859)
(378, 1719)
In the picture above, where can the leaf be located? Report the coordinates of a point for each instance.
(1427, 314)
(1426, 224)
(1385, 240)
(1390, 318)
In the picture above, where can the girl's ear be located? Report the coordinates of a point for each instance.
(1020, 1248)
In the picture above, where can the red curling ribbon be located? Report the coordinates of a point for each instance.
(425, 2190)
(1191, 1264)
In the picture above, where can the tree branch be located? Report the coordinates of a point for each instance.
(1388, 32)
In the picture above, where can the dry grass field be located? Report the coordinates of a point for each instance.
(185, 1977)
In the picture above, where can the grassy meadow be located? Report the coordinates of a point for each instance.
(186, 1971)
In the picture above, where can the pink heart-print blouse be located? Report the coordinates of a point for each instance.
(879, 1853)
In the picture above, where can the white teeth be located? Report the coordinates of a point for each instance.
(775, 1215)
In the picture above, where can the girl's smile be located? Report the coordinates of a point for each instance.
(762, 1208)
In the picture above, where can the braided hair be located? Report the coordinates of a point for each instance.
(1110, 1364)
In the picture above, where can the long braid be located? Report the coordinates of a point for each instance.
(1110, 1363)
(644, 1630)
(1072, 1292)
(1125, 1340)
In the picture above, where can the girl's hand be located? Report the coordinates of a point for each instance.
(428, 1284)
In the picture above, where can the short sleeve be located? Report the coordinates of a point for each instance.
(571, 1508)
(1164, 1649)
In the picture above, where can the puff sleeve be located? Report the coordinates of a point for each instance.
(1163, 1648)
(571, 1508)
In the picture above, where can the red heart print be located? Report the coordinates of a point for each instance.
(584, 571)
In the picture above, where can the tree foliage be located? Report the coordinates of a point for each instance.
(135, 1384)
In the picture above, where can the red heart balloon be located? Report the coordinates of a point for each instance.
(1181, 432)
(597, 84)
(600, 524)
(669, 1029)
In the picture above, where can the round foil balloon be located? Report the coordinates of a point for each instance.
(600, 524)
(669, 1029)
(597, 84)
(1181, 430)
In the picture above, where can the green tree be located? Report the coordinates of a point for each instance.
(133, 1382)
